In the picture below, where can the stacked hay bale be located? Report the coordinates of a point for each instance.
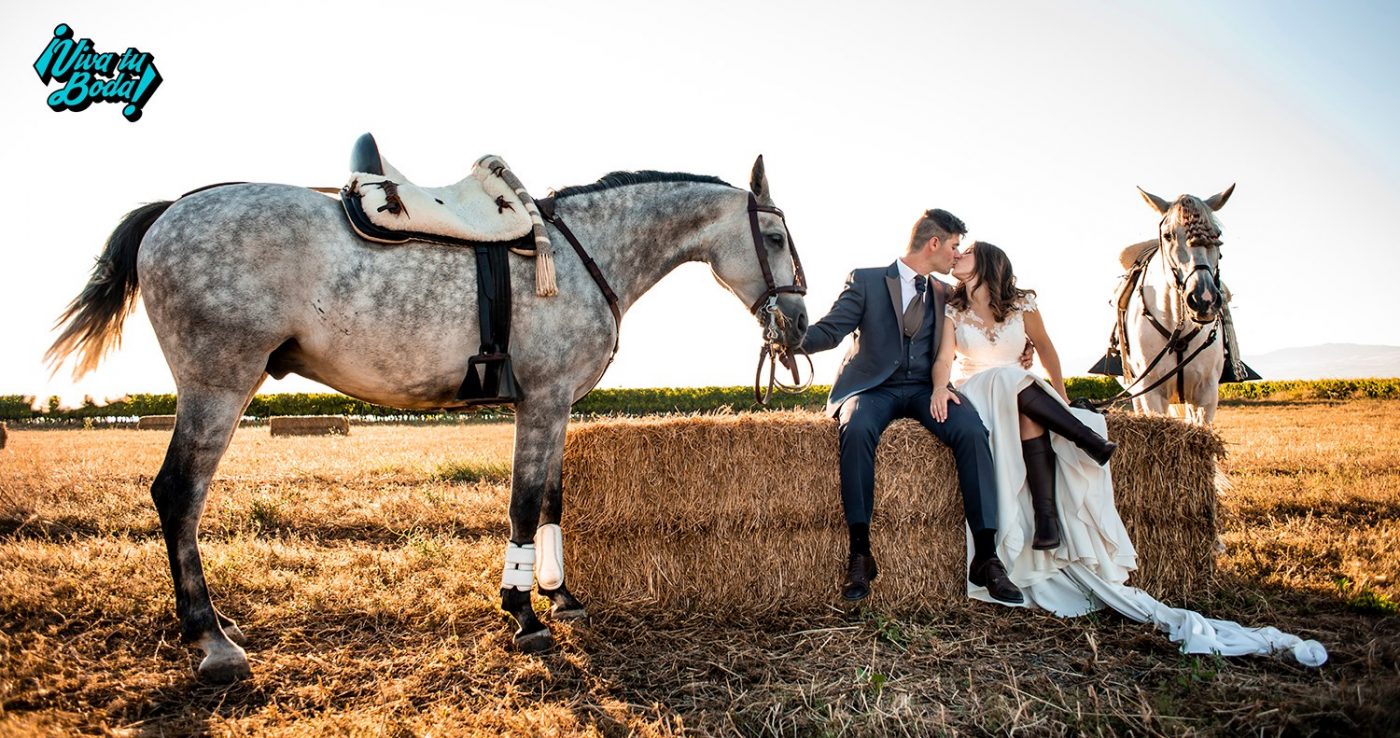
(156, 422)
(4, 435)
(740, 515)
(310, 425)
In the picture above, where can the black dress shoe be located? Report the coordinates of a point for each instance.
(991, 574)
(861, 571)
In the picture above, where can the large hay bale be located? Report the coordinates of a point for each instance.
(310, 425)
(740, 515)
(156, 422)
(4, 435)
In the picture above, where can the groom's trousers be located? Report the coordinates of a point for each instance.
(864, 417)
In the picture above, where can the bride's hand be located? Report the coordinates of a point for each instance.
(939, 405)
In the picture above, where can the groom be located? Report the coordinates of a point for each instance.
(896, 313)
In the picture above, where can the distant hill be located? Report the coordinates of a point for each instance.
(1328, 361)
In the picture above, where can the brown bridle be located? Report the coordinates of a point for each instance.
(1177, 340)
(799, 285)
(765, 308)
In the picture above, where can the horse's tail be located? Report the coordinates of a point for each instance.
(94, 318)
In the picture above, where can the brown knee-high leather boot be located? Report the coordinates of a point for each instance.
(1036, 404)
(1040, 477)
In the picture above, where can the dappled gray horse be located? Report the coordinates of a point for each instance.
(243, 281)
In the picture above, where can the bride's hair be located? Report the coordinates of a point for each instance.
(992, 271)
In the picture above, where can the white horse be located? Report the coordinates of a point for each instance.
(1174, 312)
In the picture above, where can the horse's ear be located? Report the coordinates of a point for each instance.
(1157, 203)
(758, 182)
(1217, 202)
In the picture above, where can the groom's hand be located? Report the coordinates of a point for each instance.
(938, 406)
(1028, 355)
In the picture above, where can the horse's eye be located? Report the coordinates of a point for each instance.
(775, 239)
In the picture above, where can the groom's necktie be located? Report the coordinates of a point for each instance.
(914, 312)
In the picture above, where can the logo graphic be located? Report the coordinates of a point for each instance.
(90, 76)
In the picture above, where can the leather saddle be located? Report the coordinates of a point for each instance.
(488, 211)
(384, 206)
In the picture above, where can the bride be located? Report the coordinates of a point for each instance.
(1058, 533)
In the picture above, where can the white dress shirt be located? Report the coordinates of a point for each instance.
(906, 283)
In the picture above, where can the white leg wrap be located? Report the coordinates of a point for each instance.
(550, 565)
(520, 567)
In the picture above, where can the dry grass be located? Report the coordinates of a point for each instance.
(366, 580)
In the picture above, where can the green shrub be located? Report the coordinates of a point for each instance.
(1314, 389)
(660, 401)
(16, 407)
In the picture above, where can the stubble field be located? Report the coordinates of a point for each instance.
(365, 571)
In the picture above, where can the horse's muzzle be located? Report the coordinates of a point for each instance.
(792, 320)
(1203, 299)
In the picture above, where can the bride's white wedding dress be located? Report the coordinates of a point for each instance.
(1089, 569)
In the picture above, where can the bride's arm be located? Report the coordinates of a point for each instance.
(1035, 329)
(942, 370)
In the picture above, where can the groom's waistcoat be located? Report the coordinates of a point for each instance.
(872, 306)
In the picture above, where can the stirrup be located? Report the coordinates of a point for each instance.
(490, 380)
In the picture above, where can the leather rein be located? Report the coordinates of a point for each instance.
(765, 308)
(1176, 340)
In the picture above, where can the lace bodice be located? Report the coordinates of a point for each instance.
(982, 346)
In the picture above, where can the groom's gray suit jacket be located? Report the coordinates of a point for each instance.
(871, 305)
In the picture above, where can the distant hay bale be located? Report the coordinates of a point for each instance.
(156, 422)
(310, 425)
(4, 435)
(740, 515)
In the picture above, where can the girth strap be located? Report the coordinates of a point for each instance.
(490, 378)
(493, 287)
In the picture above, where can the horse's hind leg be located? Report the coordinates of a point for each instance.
(205, 418)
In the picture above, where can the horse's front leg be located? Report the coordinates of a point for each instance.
(549, 540)
(1206, 401)
(536, 541)
(1156, 402)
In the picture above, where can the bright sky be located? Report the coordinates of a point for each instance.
(1032, 121)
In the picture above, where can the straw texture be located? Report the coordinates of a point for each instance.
(156, 422)
(736, 516)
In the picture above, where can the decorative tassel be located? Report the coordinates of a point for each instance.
(544, 272)
(545, 284)
(1232, 344)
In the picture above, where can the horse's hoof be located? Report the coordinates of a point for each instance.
(537, 642)
(235, 634)
(225, 668)
(570, 613)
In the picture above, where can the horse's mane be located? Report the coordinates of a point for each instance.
(1197, 218)
(620, 179)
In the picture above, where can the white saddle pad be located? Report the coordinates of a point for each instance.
(481, 207)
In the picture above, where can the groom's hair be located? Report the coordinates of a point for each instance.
(935, 222)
